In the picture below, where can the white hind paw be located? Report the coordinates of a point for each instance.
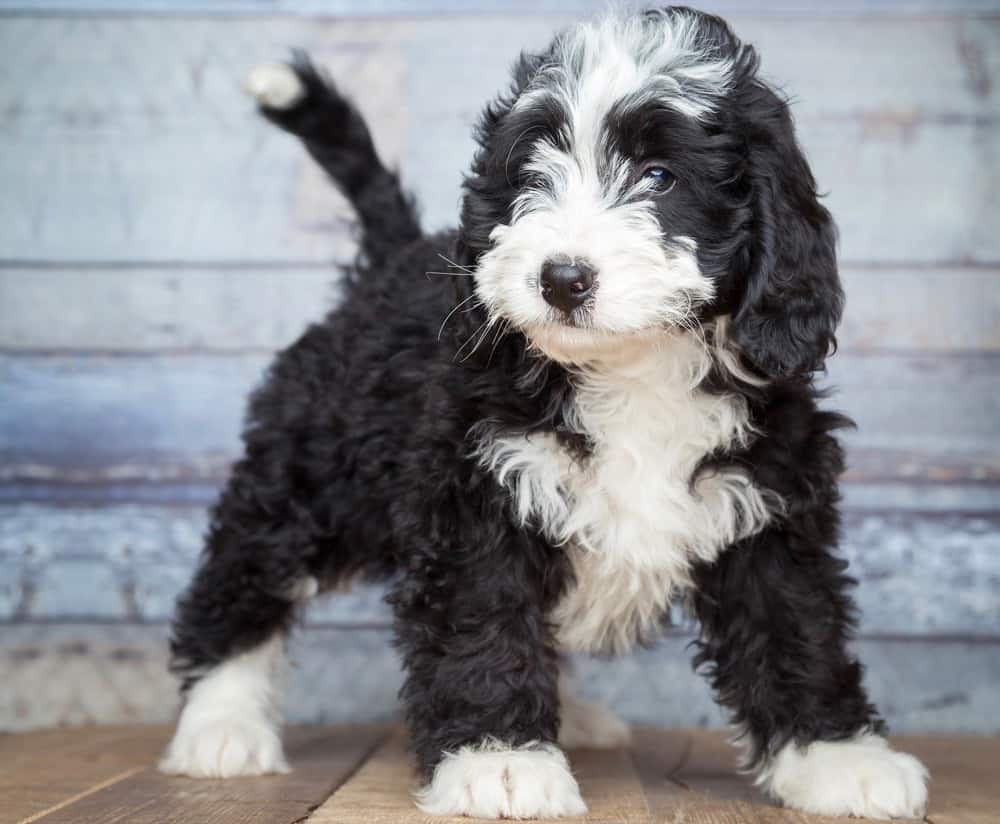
(275, 86)
(225, 748)
(230, 725)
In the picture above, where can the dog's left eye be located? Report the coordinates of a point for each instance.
(663, 179)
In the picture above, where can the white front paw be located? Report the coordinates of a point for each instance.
(494, 781)
(861, 776)
(224, 748)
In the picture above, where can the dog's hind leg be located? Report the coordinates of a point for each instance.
(229, 637)
(299, 99)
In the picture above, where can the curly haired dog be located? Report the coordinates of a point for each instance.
(610, 405)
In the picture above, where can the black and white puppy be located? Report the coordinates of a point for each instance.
(608, 405)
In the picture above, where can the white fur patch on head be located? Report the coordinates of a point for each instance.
(274, 85)
(861, 776)
(496, 781)
(628, 515)
(598, 62)
(230, 723)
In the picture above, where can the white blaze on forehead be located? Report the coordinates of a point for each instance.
(618, 55)
(598, 64)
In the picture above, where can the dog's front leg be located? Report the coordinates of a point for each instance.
(776, 617)
(481, 690)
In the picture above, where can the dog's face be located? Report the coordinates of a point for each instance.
(640, 179)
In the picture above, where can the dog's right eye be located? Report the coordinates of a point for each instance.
(663, 179)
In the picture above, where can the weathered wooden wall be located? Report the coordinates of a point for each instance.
(158, 242)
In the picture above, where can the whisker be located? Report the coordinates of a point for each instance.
(455, 308)
(478, 342)
(460, 348)
(451, 274)
(497, 322)
(501, 331)
(483, 328)
(450, 262)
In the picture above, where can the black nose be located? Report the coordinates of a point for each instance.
(566, 285)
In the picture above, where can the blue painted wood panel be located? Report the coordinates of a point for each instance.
(149, 152)
(229, 308)
(118, 673)
(158, 241)
(920, 573)
(177, 417)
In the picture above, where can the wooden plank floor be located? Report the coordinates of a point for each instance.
(361, 775)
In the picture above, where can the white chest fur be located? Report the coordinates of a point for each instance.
(628, 515)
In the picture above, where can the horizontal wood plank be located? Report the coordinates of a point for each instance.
(72, 674)
(657, 755)
(953, 406)
(916, 184)
(105, 673)
(939, 66)
(320, 758)
(49, 769)
(881, 496)
(256, 197)
(963, 787)
(673, 775)
(380, 792)
(705, 785)
(886, 210)
(919, 573)
(228, 308)
(135, 310)
(194, 401)
(177, 418)
(932, 309)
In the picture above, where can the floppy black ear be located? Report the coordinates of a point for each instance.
(792, 299)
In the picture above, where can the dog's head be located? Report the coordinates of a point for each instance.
(638, 178)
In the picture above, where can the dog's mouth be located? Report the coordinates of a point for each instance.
(581, 319)
(581, 337)
(572, 341)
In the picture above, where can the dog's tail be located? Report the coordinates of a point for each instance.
(301, 100)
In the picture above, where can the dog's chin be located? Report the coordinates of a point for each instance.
(582, 346)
